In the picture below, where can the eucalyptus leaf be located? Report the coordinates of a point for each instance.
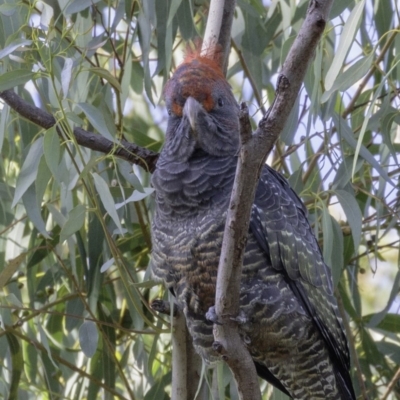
(106, 198)
(15, 78)
(75, 221)
(353, 214)
(88, 338)
(346, 40)
(14, 45)
(29, 170)
(96, 118)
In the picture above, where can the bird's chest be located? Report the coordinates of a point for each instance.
(186, 255)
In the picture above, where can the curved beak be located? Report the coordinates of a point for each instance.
(191, 110)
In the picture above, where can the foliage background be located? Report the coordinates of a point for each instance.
(75, 320)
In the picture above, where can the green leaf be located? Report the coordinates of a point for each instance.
(327, 232)
(106, 198)
(173, 9)
(8, 9)
(137, 76)
(29, 170)
(103, 73)
(96, 118)
(339, 6)
(337, 254)
(33, 210)
(107, 265)
(14, 45)
(66, 75)
(353, 214)
(44, 341)
(74, 314)
(108, 362)
(368, 116)
(45, 247)
(88, 338)
(75, 221)
(17, 364)
(136, 196)
(350, 76)
(10, 268)
(347, 134)
(157, 391)
(11, 79)
(383, 16)
(390, 322)
(51, 148)
(380, 316)
(79, 5)
(346, 40)
(185, 20)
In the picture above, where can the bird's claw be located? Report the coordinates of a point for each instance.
(211, 315)
(241, 318)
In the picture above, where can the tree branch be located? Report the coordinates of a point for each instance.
(219, 27)
(186, 363)
(125, 150)
(253, 153)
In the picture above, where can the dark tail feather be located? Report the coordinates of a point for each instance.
(264, 373)
(345, 385)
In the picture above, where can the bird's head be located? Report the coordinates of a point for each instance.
(203, 114)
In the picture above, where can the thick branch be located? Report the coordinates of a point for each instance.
(186, 363)
(219, 26)
(128, 151)
(226, 335)
(254, 150)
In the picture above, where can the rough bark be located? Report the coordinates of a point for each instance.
(254, 151)
(125, 150)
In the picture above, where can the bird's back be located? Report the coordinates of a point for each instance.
(287, 300)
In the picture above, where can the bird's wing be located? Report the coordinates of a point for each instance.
(279, 223)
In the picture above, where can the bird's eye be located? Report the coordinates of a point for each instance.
(220, 102)
(169, 111)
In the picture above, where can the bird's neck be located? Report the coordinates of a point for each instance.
(200, 184)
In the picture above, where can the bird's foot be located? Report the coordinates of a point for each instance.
(163, 307)
(241, 318)
(212, 316)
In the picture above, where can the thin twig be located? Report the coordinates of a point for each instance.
(392, 384)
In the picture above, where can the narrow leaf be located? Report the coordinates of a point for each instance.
(75, 221)
(346, 40)
(347, 134)
(13, 46)
(79, 5)
(107, 265)
(88, 338)
(66, 75)
(136, 196)
(349, 77)
(353, 214)
(10, 268)
(45, 343)
(103, 73)
(17, 364)
(327, 232)
(29, 170)
(9, 80)
(107, 200)
(51, 148)
(33, 209)
(96, 118)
